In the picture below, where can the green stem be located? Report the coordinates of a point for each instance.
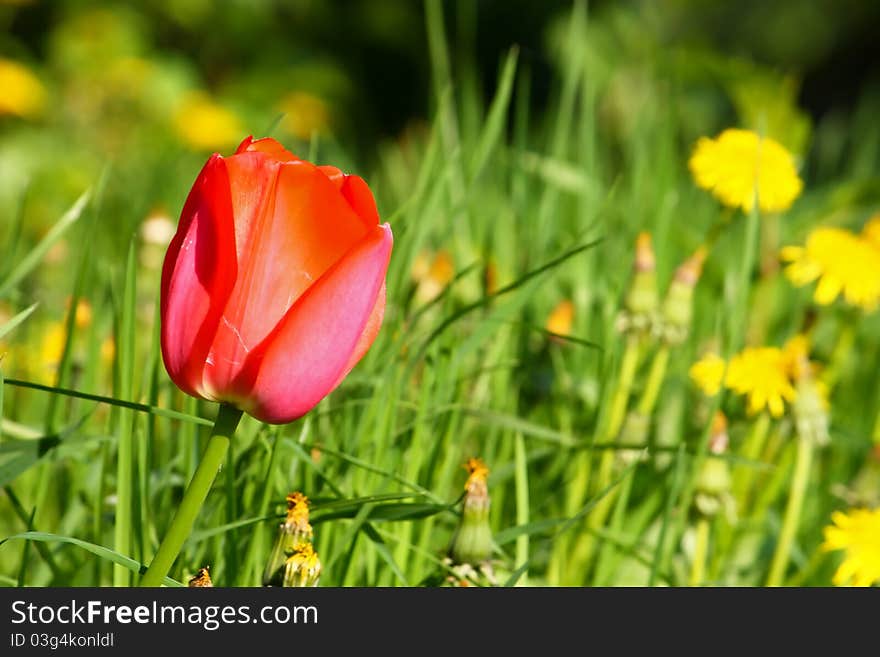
(701, 549)
(645, 408)
(584, 548)
(608, 552)
(655, 381)
(522, 505)
(747, 265)
(621, 392)
(792, 512)
(122, 532)
(194, 497)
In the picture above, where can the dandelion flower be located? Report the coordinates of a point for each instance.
(739, 166)
(871, 231)
(858, 534)
(761, 374)
(23, 93)
(303, 567)
(843, 263)
(204, 125)
(708, 373)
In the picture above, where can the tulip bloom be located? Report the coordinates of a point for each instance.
(273, 287)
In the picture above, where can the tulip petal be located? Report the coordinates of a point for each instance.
(197, 277)
(360, 198)
(291, 226)
(268, 146)
(368, 335)
(317, 341)
(356, 191)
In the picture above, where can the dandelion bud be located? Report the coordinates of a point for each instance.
(302, 568)
(201, 579)
(713, 481)
(641, 301)
(293, 532)
(473, 539)
(678, 305)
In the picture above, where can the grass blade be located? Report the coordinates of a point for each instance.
(98, 550)
(32, 259)
(15, 321)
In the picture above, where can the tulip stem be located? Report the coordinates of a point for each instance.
(701, 549)
(194, 497)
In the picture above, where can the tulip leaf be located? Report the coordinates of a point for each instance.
(97, 550)
(32, 259)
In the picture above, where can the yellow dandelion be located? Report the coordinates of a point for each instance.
(843, 263)
(304, 114)
(23, 93)
(478, 473)
(871, 231)
(708, 373)
(560, 318)
(760, 373)
(298, 514)
(303, 567)
(740, 165)
(858, 534)
(202, 124)
(795, 356)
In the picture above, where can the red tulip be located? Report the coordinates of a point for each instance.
(273, 287)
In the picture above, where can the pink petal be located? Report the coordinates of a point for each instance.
(321, 337)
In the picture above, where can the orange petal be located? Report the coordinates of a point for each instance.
(268, 146)
(291, 226)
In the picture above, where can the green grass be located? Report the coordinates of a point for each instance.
(95, 452)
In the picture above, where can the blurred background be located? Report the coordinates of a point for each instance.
(138, 93)
(118, 78)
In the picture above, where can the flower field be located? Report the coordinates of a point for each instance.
(603, 311)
